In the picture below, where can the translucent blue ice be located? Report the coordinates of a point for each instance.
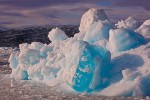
(90, 70)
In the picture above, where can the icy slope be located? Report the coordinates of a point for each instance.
(100, 58)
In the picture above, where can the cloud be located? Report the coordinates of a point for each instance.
(6, 22)
(122, 15)
(52, 12)
(130, 3)
(30, 4)
(2, 13)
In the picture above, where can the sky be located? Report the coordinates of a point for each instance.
(18, 13)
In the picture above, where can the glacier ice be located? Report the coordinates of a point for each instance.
(100, 58)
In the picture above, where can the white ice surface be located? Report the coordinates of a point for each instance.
(91, 16)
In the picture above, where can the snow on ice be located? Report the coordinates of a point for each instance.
(91, 16)
(100, 58)
(57, 35)
(124, 39)
(130, 23)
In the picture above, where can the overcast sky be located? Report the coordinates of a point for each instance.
(16, 13)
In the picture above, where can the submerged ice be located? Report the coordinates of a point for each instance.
(111, 61)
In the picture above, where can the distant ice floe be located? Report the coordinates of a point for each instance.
(100, 58)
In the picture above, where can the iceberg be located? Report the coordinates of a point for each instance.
(100, 59)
